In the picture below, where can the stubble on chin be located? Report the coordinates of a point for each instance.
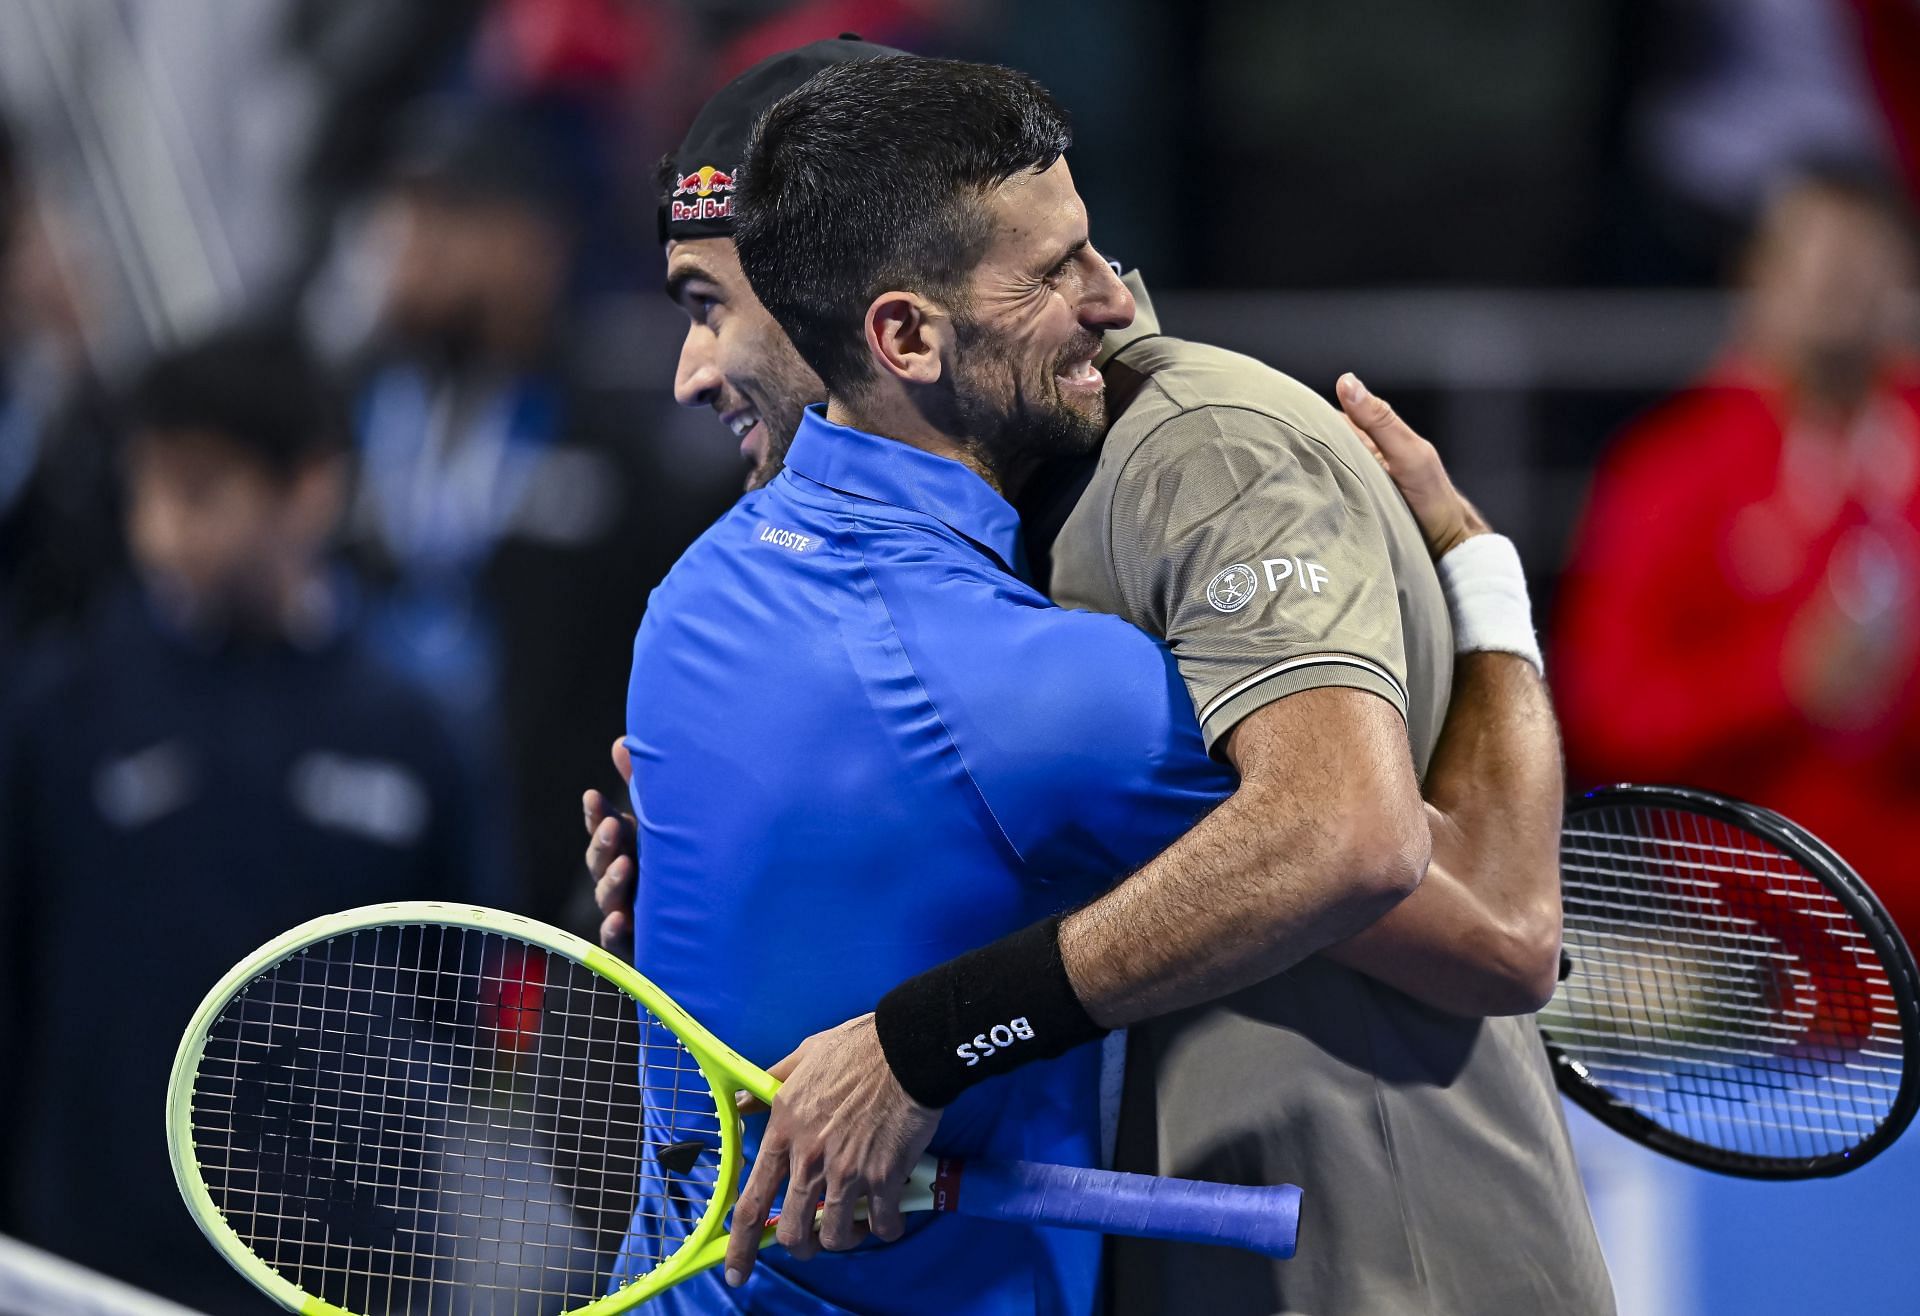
(777, 447)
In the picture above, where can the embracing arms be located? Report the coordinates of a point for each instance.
(1482, 934)
(1317, 850)
(1323, 836)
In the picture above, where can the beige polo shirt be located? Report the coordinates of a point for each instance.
(1234, 514)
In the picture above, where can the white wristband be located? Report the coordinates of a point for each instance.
(1486, 591)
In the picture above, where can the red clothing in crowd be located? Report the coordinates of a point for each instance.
(1720, 558)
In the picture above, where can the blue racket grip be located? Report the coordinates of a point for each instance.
(1264, 1220)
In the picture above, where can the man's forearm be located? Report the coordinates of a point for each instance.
(1482, 934)
(1323, 837)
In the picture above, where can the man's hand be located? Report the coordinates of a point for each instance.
(843, 1129)
(612, 861)
(1446, 518)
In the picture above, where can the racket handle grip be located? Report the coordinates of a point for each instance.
(1264, 1220)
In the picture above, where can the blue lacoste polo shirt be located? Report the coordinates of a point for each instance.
(862, 744)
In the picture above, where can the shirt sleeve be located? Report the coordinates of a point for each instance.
(1258, 552)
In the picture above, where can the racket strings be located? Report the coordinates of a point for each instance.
(449, 1122)
(1719, 988)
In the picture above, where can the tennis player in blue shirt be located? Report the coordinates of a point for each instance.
(835, 791)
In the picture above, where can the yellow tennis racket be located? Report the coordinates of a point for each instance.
(435, 1108)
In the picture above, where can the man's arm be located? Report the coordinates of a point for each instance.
(1323, 836)
(1482, 934)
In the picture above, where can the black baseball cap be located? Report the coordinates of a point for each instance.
(698, 179)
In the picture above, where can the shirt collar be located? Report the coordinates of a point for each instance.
(901, 475)
(1146, 322)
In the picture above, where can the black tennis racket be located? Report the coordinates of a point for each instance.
(1737, 997)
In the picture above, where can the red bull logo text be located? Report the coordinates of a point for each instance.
(700, 187)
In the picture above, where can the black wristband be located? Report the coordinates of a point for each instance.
(981, 1014)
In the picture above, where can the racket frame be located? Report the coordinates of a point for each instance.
(1833, 873)
(724, 1068)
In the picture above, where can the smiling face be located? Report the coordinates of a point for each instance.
(735, 358)
(1024, 382)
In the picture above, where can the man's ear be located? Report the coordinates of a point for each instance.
(909, 337)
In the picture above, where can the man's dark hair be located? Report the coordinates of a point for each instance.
(255, 386)
(872, 176)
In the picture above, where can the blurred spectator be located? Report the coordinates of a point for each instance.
(1889, 34)
(58, 534)
(213, 759)
(512, 522)
(1749, 87)
(1743, 609)
(364, 60)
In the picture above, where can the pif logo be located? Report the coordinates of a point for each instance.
(1234, 587)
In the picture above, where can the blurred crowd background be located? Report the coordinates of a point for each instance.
(338, 454)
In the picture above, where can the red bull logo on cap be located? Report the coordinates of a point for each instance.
(705, 181)
(701, 185)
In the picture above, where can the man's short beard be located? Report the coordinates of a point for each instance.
(1059, 430)
(782, 423)
(1010, 427)
(782, 395)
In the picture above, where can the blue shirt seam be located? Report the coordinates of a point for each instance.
(946, 729)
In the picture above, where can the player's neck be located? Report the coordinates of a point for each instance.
(891, 416)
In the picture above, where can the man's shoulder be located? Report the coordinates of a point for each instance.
(1183, 377)
(825, 545)
(756, 522)
(1201, 429)
(1197, 396)
(989, 647)
(817, 586)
